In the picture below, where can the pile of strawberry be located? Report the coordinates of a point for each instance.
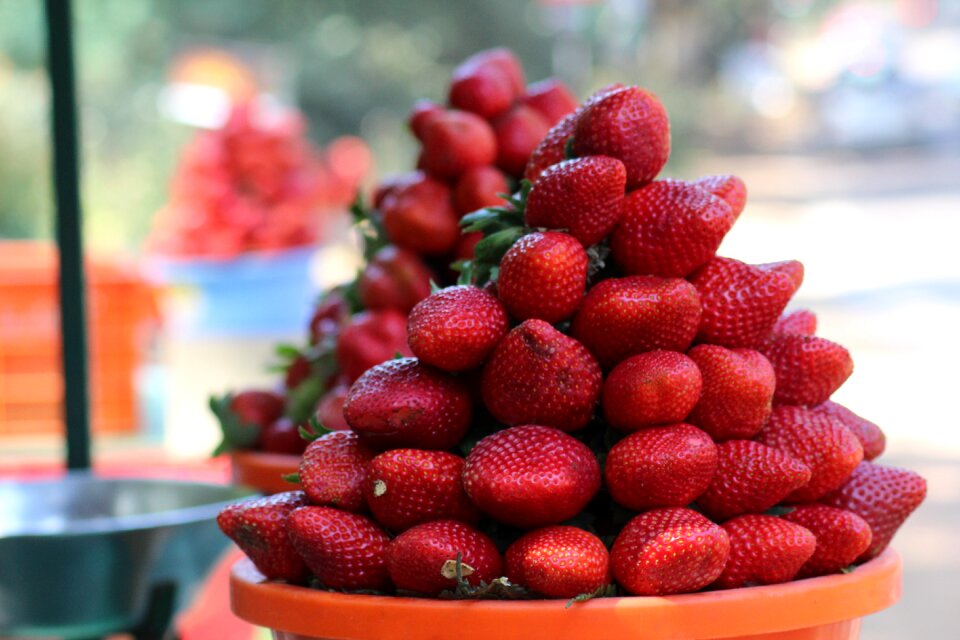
(602, 401)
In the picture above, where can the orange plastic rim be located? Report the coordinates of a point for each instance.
(826, 607)
(264, 471)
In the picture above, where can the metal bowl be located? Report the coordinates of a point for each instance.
(82, 556)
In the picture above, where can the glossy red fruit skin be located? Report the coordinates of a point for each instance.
(583, 196)
(822, 443)
(390, 184)
(669, 228)
(558, 562)
(487, 83)
(417, 556)
(660, 467)
(871, 437)
(738, 387)
(531, 476)
(764, 550)
(728, 188)
(457, 328)
(750, 478)
(842, 536)
(467, 244)
(809, 368)
(742, 302)
(652, 388)
(282, 436)
(801, 322)
(478, 188)
(403, 403)
(259, 527)
(420, 113)
(343, 550)
(518, 133)
(257, 407)
(394, 279)
(455, 141)
(369, 338)
(297, 371)
(884, 496)
(330, 408)
(407, 487)
(329, 315)
(552, 98)
(538, 375)
(332, 471)
(621, 317)
(543, 275)
(629, 124)
(551, 150)
(667, 551)
(419, 217)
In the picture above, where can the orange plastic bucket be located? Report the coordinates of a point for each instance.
(264, 471)
(827, 608)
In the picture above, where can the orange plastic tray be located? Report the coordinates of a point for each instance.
(826, 608)
(264, 471)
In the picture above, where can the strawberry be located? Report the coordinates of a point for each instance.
(423, 559)
(466, 246)
(538, 375)
(518, 133)
(403, 403)
(629, 124)
(657, 387)
(343, 550)
(842, 536)
(883, 496)
(660, 467)
(332, 471)
(477, 188)
(259, 527)
(552, 149)
(330, 408)
(297, 371)
(809, 369)
(738, 386)
(728, 188)
(558, 562)
(328, 316)
(531, 476)
(394, 183)
(257, 407)
(764, 550)
(669, 228)
(487, 83)
(369, 338)
(552, 99)
(620, 317)
(871, 437)
(801, 322)
(543, 275)
(407, 487)
(281, 436)
(457, 328)
(665, 551)
(420, 113)
(420, 217)
(750, 478)
(828, 448)
(454, 141)
(741, 302)
(394, 279)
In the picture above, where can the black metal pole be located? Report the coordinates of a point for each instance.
(66, 184)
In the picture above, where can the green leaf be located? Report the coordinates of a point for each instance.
(302, 400)
(467, 271)
(317, 429)
(849, 569)
(293, 478)
(779, 510)
(434, 287)
(568, 153)
(491, 249)
(606, 591)
(287, 351)
(236, 435)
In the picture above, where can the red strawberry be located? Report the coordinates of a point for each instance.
(629, 124)
(801, 322)
(531, 476)
(343, 550)
(552, 99)
(870, 435)
(487, 83)
(660, 467)
(454, 141)
(667, 551)
(750, 478)
(558, 562)
(551, 150)
(407, 487)
(809, 369)
(257, 408)
(394, 279)
(518, 133)
(370, 338)
(738, 386)
(420, 113)
(669, 228)
(332, 471)
(329, 315)
(657, 387)
(465, 247)
(457, 328)
(764, 550)
(420, 217)
(620, 317)
(296, 372)
(259, 527)
(584, 196)
(393, 183)
(830, 450)
(423, 559)
(543, 275)
(477, 188)
(538, 375)
(330, 408)
(883, 496)
(728, 188)
(741, 302)
(281, 436)
(403, 403)
(842, 536)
